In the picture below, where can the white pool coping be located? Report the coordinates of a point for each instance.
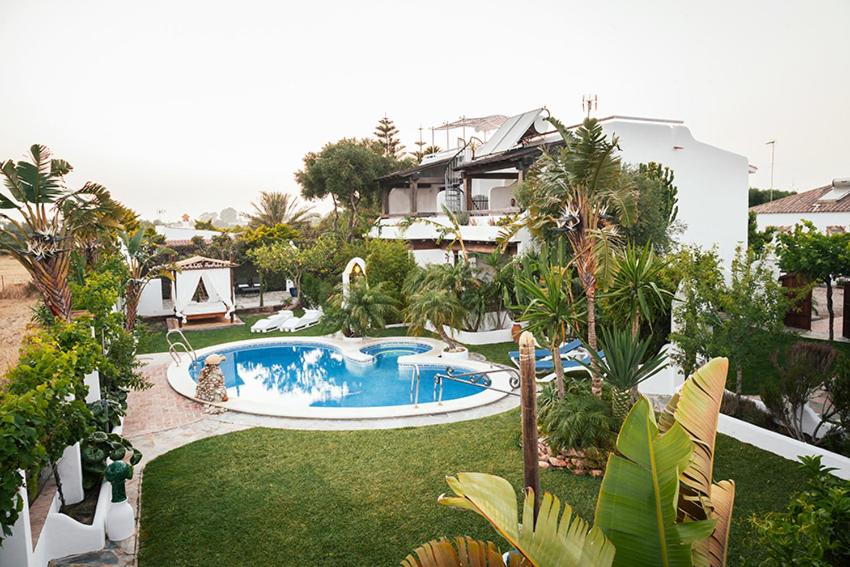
(182, 383)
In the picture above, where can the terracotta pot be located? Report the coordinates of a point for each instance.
(516, 331)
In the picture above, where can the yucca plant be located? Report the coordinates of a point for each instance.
(657, 504)
(42, 234)
(634, 292)
(552, 313)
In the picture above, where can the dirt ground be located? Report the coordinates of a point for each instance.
(15, 310)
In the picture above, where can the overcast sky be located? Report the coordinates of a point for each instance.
(193, 106)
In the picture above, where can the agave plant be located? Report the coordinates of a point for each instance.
(657, 504)
(625, 363)
(42, 234)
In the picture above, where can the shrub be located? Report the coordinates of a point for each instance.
(389, 262)
(814, 530)
(578, 421)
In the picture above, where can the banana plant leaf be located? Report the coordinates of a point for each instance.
(555, 541)
(637, 504)
(696, 408)
(466, 552)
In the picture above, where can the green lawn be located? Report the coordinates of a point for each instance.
(265, 497)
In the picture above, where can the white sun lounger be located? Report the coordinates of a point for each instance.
(272, 322)
(310, 318)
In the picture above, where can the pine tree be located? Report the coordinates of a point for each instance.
(387, 135)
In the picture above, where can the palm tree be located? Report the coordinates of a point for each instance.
(580, 191)
(551, 312)
(634, 291)
(276, 208)
(439, 306)
(42, 237)
(138, 255)
(365, 307)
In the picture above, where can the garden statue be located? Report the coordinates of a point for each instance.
(210, 386)
(355, 268)
(120, 519)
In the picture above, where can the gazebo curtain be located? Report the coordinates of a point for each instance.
(216, 281)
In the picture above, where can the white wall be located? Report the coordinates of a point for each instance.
(430, 256)
(820, 220)
(713, 183)
(150, 302)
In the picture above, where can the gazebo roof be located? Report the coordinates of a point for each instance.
(202, 263)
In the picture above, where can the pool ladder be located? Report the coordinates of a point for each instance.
(478, 378)
(415, 379)
(177, 341)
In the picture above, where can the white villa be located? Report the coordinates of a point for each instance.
(478, 178)
(827, 207)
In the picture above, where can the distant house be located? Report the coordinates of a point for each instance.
(478, 179)
(827, 207)
(183, 235)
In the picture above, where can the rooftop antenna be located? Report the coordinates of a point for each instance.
(589, 102)
(772, 144)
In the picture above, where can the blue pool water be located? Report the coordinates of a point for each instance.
(313, 375)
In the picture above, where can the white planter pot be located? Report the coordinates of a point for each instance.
(458, 355)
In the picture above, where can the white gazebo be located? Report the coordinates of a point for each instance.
(202, 288)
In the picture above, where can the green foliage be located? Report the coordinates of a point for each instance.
(637, 505)
(275, 208)
(657, 207)
(759, 196)
(551, 312)
(440, 307)
(22, 418)
(264, 235)
(388, 262)
(741, 320)
(635, 292)
(579, 421)
(98, 447)
(366, 308)
(758, 239)
(387, 135)
(803, 368)
(815, 529)
(347, 171)
(627, 361)
(816, 256)
(66, 418)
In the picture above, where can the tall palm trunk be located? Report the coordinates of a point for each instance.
(131, 303)
(595, 374)
(559, 370)
(50, 277)
(830, 308)
(635, 323)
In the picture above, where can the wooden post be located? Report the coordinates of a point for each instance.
(414, 185)
(528, 403)
(467, 189)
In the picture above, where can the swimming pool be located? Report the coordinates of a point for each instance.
(336, 378)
